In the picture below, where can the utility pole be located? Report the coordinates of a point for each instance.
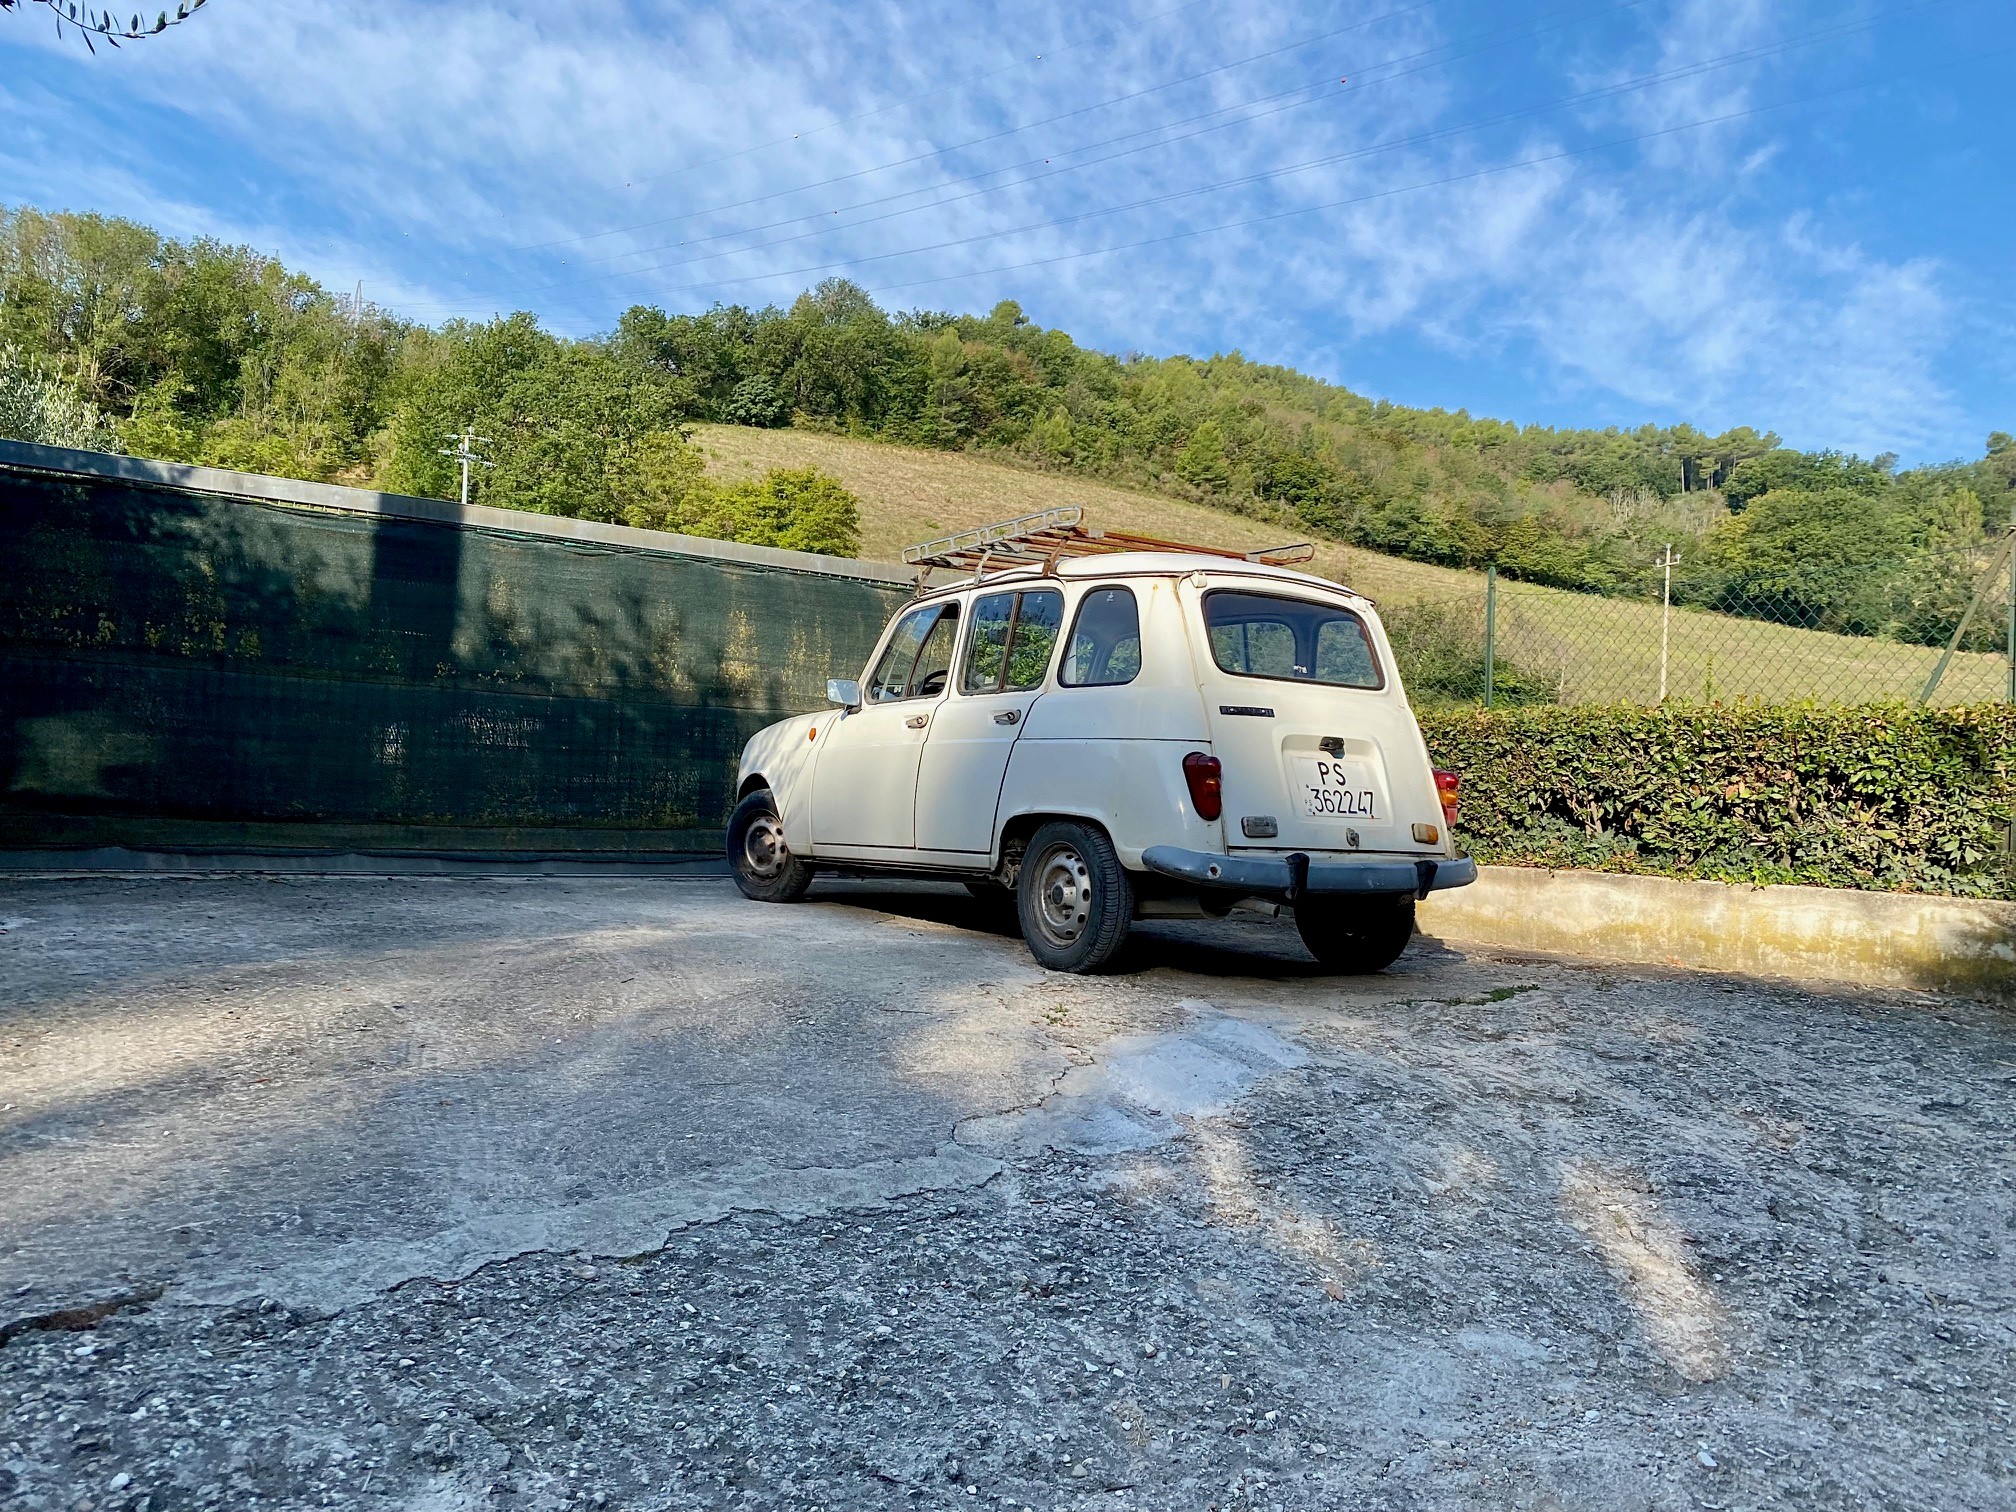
(1666, 619)
(1490, 632)
(464, 452)
(2011, 648)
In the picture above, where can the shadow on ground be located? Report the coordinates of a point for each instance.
(1245, 946)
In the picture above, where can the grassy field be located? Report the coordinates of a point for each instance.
(1592, 649)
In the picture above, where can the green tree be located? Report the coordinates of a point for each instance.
(1822, 559)
(2002, 457)
(800, 509)
(34, 407)
(1203, 461)
(201, 351)
(662, 483)
(1802, 470)
(562, 420)
(160, 427)
(753, 401)
(1051, 435)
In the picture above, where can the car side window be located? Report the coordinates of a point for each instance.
(934, 661)
(1105, 646)
(992, 614)
(892, 673)
(1013, 635)
(1039, 620)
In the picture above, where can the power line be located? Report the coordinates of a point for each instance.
(1456, 178)
(1572, 15)
(1685, 71)
(952, 183)
(1279, 215)
(1646, 81)
(994, 136)
(955, 87)
(1110, 34)
(1509, 35)
(1352, 154)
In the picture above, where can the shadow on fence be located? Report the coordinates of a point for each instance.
(189, 670)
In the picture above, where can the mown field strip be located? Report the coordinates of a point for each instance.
(1592, 649)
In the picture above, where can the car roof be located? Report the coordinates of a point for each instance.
(1124, 564)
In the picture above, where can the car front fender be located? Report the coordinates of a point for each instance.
(784, 757)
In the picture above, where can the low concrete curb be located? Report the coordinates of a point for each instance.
(1808, 933)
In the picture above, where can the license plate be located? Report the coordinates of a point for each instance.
(1338, 789)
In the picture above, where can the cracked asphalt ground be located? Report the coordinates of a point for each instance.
(604, 1193)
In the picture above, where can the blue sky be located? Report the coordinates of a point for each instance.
(1795, 215)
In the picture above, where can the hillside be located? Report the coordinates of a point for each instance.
(115, 337)
(1583, 647)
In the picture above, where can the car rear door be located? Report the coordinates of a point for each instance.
(1011, 638)
(1318, 747)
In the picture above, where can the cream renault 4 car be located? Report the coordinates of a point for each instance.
(1110, 728)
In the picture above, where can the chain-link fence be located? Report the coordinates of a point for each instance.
(1941, 629)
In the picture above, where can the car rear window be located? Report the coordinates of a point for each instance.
(1294, 640)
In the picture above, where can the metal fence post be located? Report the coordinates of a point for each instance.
(1665, 620)
(2009, 839)
(1491, 635)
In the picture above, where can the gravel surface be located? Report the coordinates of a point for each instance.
(1216, 1232)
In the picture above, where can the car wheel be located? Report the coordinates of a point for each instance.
(1355, 936)
(1073, 898)
(763, 865)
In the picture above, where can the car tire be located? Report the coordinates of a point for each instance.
(763, 865)
(1355, 936)
(1074, 898)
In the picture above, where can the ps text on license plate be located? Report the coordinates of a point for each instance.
(1338, 789)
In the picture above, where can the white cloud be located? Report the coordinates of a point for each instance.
(1762, 325)
(426, 147)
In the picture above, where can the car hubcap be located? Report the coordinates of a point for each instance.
(763, 848)
(1064, 896)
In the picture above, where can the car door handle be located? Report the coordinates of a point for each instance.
(1008, 716)
(918, 721)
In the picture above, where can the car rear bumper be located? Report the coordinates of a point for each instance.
(1276, 877)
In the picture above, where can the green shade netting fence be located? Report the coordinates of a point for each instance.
(181, 666)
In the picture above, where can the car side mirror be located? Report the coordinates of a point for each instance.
(845, 692)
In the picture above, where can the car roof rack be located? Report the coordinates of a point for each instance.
(1046, 538)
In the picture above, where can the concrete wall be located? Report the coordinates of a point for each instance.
(1812, 933)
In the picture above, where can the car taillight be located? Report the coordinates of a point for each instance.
(1446, 784)
(1207, 784)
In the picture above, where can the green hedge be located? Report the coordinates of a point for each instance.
(1892, 797)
